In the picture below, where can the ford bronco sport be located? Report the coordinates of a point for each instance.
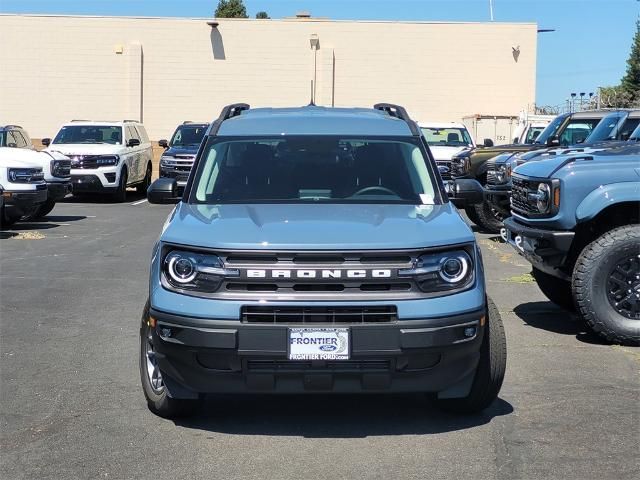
(315, 250)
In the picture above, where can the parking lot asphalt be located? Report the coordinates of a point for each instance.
(72, 289)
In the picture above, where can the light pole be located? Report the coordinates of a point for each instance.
(573, 102)
(315, 43)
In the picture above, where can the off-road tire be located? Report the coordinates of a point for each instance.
(471, 213)
(486, 218)
(41, 211)
(490, 371)
(142, 187)
(158, 401)
(120, 194)
(558, 291)
(590, 279)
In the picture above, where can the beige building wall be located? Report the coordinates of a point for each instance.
(166, 70)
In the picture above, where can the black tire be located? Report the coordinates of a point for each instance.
(490, 372)
(40, 211)
(121, 192)
(142, 187)
(7, 220)
(487, 217)
(558, 291)
(597, 271)
(471, 213)
(157, 399)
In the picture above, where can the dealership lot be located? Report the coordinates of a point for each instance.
(72, 290)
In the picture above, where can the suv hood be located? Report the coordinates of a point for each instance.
(26, 158)
(172, 151)
(445, 153)
(316, 227)
(71, 149)
(547, 167)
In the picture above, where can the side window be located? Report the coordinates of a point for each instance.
(575, 133)
(20, 141)
(131, 133)
(142, 134)
(27, 139)
(12, 141)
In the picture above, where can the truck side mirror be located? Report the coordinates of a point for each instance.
(133, 142)
(465, 192)
(163, 191)
(553, 141)
(46, 142)
(163, 144)
(488, 142)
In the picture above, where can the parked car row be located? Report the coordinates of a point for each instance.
(574, 213)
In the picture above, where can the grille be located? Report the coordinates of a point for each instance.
(89, 161)
(179, 163)
(520, 202)
(315, 315)
(282, 366)
(319, 286)
(26, 175)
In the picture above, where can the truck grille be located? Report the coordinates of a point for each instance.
(314, 315)
(446, 174)
(520, 191)
(89, 161)
(320, 286)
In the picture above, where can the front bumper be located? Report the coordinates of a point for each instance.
(20, 202)
(220, 356)
(498, 196)
(103, 179)
(58, 190)
(547, 250)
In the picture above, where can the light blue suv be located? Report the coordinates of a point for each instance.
(315, 250)
(576, 218)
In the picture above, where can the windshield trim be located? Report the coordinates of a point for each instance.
(439, 196)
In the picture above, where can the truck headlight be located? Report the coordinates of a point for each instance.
(543, 200)
(107, 160)
(184, 270)
(501, 174)
(442, 271)
(164, 160)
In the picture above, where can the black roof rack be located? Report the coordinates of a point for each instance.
(10, 126)
(228, 112)
(398, 111)
(130, 121)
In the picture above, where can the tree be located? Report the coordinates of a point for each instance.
(615, 97)
(262, 15)
(231, 9)
(631, 81)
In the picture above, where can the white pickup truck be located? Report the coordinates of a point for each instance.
(22, 185)
(446, 140)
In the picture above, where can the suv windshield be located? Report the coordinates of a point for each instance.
(446, 137)
(551, 129)
(89, 134)
(605, 129)
(188, 135)
(308, 169)
(532, 134)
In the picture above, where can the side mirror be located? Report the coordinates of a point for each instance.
(46, 142)
(133, 142)
(163, 191)
(515, 139)
(553, 141)
(487, 142)
(466, 192)
(12, 145)
(163, 144)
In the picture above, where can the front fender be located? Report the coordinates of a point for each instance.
(605, 196)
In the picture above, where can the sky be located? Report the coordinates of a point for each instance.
(589, 47)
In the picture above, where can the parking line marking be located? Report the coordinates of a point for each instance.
(139, 202)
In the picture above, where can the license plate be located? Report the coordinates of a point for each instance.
(318, 343)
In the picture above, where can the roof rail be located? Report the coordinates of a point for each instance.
(398, 111)
(12, 126)
(80, 120)
(228, 112)
(130, 121)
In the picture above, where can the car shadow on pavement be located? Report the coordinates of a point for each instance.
(46, 223)
(132, 196)
(333, 416)
(549, 317)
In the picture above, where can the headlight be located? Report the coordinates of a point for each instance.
(194, 271)
(501, 174)
(25, 175)
(165, 160)
(442, 271)
(107, 160)
(543, 200)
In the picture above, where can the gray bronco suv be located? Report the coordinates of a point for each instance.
(315, 250)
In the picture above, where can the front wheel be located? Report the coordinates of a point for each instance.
(606, 285)
(490, 371)
(7, 220)
(487, 217)
(555, 289)
(155, 392)
(121, 193)
(41, 211)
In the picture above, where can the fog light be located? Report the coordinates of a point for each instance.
(469, 332)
